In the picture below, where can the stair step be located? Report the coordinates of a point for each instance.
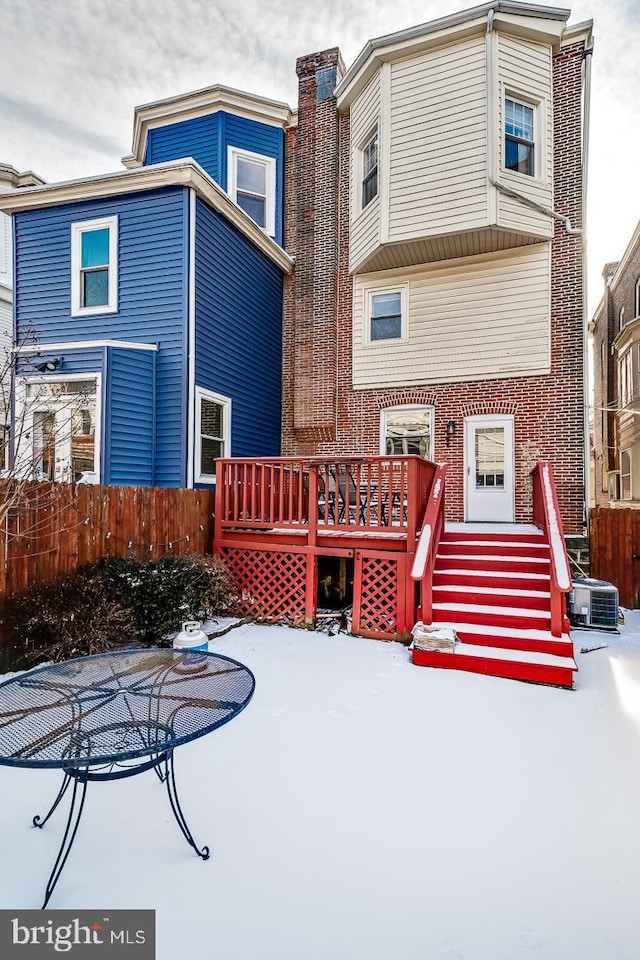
(501, 580)
(497, 545)
(485, 562)
(519, 532)
(511, 638)
(492, 615)
(511, 664)
(497, 596)
(517, 550)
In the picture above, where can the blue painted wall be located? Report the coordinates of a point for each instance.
(129, 417)
(239, 332)
(153, 254)
(206, 140)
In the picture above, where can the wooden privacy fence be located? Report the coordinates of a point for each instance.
(614, 544)
(57, 527)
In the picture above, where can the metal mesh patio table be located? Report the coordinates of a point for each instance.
(115, 715)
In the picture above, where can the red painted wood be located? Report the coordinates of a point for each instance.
(510, 669)
(517, 621)
(558, 648)
(474, 594)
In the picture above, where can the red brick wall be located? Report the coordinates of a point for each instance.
(548, 411)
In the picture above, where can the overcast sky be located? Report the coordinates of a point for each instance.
(71, 72)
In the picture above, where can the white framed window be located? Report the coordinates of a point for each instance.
(57, 428)
(213, 433)
(386, 314)
(94, 267)
(407, 430)
(625, 373)
(519, 136)
(369, 164)
(251, 179)
(637, 298)
(625, 476)
(620, 318)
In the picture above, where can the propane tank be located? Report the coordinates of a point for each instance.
(191, 637)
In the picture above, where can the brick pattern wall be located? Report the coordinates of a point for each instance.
(610, 435)
(548, 411)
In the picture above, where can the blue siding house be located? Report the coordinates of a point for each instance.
(148, 303)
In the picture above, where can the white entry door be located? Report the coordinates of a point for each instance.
(489, 469)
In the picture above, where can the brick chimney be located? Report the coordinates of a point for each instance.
(311, 314)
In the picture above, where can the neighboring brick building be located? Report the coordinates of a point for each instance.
(434, 202)
(615, 332)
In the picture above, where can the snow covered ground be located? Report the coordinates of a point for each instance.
(362, 808)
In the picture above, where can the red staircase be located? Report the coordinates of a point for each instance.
(503, 594)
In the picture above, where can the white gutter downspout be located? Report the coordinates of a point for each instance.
(191, 334)
(493, 180)
(585, 323)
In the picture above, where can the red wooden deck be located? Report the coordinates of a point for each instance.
(276, 517)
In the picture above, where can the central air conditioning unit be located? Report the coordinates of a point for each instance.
(593, 603)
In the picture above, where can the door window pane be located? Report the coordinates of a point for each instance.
(489, 455)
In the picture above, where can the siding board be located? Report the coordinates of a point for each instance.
(206, 140)
(463, 322)
(239, 332)
(152, 272)
(438, 142)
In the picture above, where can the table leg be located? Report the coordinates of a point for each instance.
(37, 822)
(75, 812)
(170, 780)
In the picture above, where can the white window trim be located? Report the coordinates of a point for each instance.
(359, 169)
(225, 402)
(369, 293)
(407, 408)
(625, 374)
(539, 146)
(48, 403)
(77, 229)
(637, 298)
(629, 496)
(233, 155)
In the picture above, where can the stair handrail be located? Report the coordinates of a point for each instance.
(546, 516)
(428, 541)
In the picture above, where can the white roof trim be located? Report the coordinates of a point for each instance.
(181, 173)
(16, 179)
(38, 348)
(510, 15)
(200, 103)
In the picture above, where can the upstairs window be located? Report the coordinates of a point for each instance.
(626, 379)
(386, 315)
(620, 319)
(94, 265)
(370, 170)
(252, 184)
(519, 146)
(637, 298)
(213, 433)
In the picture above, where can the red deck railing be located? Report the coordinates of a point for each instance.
(546, 516)
(342, 494)
(432, 527)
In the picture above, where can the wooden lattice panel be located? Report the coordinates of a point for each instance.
(271, 584)
(379, 596)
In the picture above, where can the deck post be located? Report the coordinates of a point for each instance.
(221, 470)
